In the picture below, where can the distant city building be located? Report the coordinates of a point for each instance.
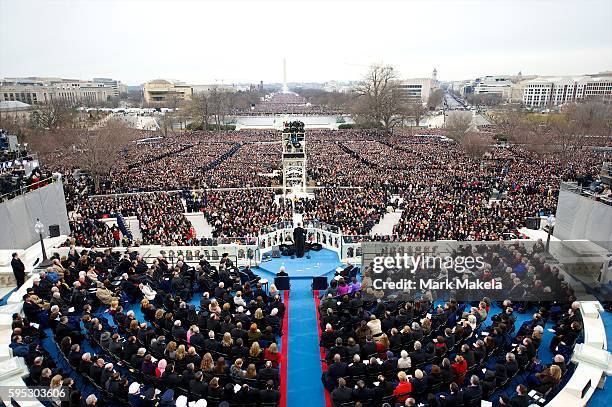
(554, 91)
(336, 86)
(14, 112)
(508, 87)
(498, 85)
(460, 87)
(417, 90)
(161, 90)
(35, 90)
(118, 88)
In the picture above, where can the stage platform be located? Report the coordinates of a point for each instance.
(319, 264)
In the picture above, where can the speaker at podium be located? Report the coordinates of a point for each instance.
(282, 283)
(319, 283)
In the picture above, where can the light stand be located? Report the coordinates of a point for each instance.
(39, 228)
(550, 223)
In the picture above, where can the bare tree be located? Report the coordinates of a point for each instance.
(457, 124)
(243, 100)
(220, 106)
(200, 108)
(166, 123)
(509, 117)
(135, 96)
(435, 99)
(334, 100)
(591, 119)
(173, 100)
(474, 144)
(486, 99)
(52, 115)
(379, 98)
(100, 148)
(416, 111)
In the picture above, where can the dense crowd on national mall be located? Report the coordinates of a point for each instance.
(358, 176)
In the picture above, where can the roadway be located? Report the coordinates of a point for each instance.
(452, 103)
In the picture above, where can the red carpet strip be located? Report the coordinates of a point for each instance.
(322, 355)
(284, 351)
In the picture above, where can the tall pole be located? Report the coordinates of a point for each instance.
(44, 251)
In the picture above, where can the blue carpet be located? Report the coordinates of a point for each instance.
(319, 264)
(304, 385)
(4, 299)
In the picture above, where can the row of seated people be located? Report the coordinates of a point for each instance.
(27, 342)
(418, 352)
(229, 342)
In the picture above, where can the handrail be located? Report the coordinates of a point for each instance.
(169, 191)
(576, 188)
(35, 185)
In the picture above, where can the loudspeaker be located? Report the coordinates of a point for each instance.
(276, 252)
(287, 250)
(532, 223)
(282, 283)
(54, 231)
(319, 283)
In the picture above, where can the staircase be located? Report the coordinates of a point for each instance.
(123, 227)
(133, 225)
(200, 224)
(387, 223)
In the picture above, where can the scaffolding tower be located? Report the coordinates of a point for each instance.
(294, 160)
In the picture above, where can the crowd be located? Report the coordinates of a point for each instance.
(256, 164)
(224, 350)
(160, 215)
(244, 213)
(287, 103)
(444, 192)
(18, 174)
(393, 348)
(181, 169)
(354, 211)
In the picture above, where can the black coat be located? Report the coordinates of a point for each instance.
(472, 393)
(18, 268)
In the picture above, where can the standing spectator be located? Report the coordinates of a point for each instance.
(18, 270)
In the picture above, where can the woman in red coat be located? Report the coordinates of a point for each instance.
(382, 346)
(403, 389)
(271, 354)
(460, 368)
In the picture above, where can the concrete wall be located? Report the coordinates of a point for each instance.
(18, 216)
(579, 217)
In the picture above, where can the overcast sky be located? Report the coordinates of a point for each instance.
(245, 41)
